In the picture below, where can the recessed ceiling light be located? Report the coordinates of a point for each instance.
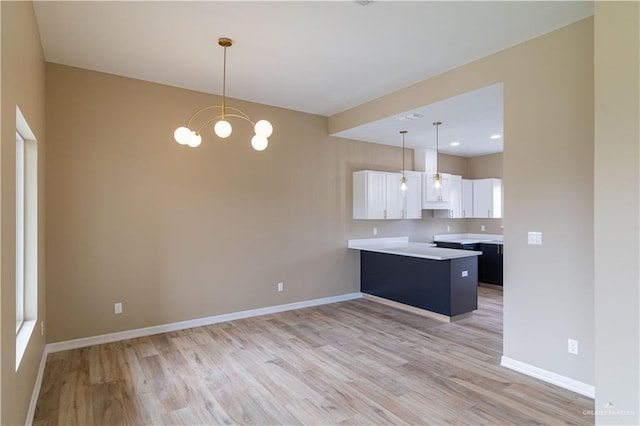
(412, 116)
(496, 136)
(455, 143)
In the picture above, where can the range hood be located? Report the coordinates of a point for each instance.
(426, 160)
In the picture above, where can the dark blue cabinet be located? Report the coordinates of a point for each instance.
(492, 263)
(447, 287)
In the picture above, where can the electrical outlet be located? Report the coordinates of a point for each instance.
(375, 231)
(572, 346)
(280, 286)
(117, 308)
(448, 228)
(482, 228)
(42, 328)
(465, 274)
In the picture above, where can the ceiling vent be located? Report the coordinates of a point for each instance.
(411, 117)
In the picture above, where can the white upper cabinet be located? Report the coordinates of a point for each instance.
(487, 198)
(377, 195)
(394, 196)
(413, 196)
(454, 185)
(369, 195)
(467, 198)
(436, 198)
(455, 192)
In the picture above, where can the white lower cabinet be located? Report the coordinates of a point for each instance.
(377, 195)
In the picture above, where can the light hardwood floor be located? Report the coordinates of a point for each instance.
(351, 362)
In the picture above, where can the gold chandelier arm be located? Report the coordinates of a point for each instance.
(199, 111)
(211, 120)
(240, 114)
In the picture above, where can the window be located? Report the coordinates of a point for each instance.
(20, 166)
(26, 234)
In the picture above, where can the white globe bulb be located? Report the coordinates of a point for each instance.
(263, 128)
(194, 140)
(222, 129)
(259, 143)
(182, 135)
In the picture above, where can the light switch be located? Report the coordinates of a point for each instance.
(465, 274)
(535, 238)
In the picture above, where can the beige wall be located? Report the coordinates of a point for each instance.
(548, 181)
(485, 166)
(452, 164)
(176, 233)
(617, 211)
(23, 82)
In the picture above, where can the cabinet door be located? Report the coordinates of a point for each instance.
(452, 185)
(487, 198)
(436, 198)
(369, 194)
(455, 193)
(492, 263)
(467, 198)
(394, 196)
(413, 196)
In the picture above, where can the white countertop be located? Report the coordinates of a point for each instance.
(403, 247)
(469, 238)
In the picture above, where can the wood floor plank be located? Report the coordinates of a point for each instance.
(354, 362)
(108, 408)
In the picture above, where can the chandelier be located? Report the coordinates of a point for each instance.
(186, 135)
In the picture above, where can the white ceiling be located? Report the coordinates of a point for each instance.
(317, 57)
(469, 119)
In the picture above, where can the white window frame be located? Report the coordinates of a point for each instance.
(20, 224)
(26, 235)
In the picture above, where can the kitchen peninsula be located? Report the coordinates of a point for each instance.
(441, 282)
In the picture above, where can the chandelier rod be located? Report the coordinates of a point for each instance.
(223, 43)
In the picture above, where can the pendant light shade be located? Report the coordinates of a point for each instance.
(222, 128)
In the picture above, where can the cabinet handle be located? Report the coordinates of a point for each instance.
(403, 213)
(385, 213)
(451, 214)
(489, 213)
(464, 213)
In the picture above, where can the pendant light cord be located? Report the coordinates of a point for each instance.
(403, 155)
(224, 82)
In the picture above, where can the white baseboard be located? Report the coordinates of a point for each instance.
(36, 389)
(198, 322)
(549, 377)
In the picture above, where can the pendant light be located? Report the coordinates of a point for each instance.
(222, 128)
(403, 181)
(437, 181)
